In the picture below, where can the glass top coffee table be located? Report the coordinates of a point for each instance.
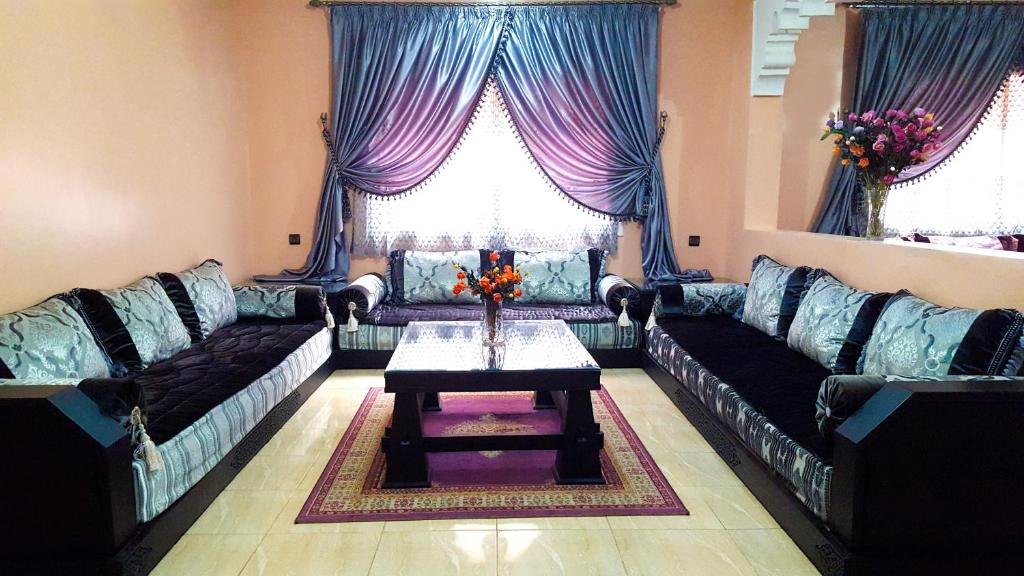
(541, 356)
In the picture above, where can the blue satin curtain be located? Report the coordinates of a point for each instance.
(580, 82)
(947, 59)
(405, 81)
(581, 86)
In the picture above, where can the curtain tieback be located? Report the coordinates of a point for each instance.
(645, 194)
(325, 133)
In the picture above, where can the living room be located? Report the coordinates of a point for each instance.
(248, 239)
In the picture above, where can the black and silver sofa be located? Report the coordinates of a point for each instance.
(126, 411)
(881, 431)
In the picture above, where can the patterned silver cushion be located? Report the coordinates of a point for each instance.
(428, 277)
(149, 315)
(914, 337)
(832, 316)
(265, 301)
(773, 296)
(556, 277)
(208, 302)
(49, 340)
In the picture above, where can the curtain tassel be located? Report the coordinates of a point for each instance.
(624, 316)
(146, 449)
(353, 323)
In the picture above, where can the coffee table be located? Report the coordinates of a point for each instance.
(542, 356)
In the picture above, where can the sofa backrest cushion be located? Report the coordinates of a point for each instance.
(415, 277)
(556, 277)
(774, 295)
(914, 337)
(203, 298)
(50, 340)
(150, 318)
(834, 322)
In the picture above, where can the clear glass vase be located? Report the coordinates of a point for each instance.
(493, 330)
(875, 194)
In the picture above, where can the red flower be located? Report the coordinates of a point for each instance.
(494, 256)
(517, 293)
(460, 275)
(497, 297)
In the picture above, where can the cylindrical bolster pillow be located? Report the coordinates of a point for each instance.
(364, 292)
(614, 289)
(842, 395)
(675, 300)
(302, 303)
(115, 397)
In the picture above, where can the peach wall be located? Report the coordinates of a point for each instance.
(122, 151)
(285, 63)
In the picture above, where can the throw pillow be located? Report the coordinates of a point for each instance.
(773, 296)
(560, 277)
(203, 297)
(833, 322)
(151, 319)
(49, 340)
(914, 337)
(428, 277)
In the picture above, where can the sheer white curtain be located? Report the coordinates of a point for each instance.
(980, 189)
(489, 193)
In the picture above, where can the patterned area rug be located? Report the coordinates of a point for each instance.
(486, 484)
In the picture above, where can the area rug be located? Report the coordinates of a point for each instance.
(486, 484)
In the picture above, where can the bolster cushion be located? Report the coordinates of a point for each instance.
(613, 290)
(842, 395)
(303, 303)
(364, 293)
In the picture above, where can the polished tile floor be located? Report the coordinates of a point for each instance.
(249, 528)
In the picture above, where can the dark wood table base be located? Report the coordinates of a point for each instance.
(578, 460)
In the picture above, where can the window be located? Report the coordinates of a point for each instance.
(489, 193)
(979, 190)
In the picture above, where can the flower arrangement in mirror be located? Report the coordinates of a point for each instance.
(881, 145)
(494, 286)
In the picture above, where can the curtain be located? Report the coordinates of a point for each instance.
(488, 193)
(581, 87)
(947, 59)
(405, 81)
(580, 82)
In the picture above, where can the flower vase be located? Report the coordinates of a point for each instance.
(875, 194)
(493, 331)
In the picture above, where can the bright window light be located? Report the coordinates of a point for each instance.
(980, 189)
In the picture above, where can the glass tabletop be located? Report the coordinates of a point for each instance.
(458, 347)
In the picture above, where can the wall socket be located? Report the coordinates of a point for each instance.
(694, 241)
(294, 239)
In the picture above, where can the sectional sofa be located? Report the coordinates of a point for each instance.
(124, 412)
(601, 309)
(881, 431)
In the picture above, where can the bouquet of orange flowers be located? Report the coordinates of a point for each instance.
(495, 284)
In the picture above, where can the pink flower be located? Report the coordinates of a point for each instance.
(915, 154)
(852, 117)
(869, 116)
(879, 122)
(888, 178)
(879, 146)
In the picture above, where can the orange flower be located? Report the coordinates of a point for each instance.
(856, 150)
(517, 293)
(844, 161)
(494, 256)
(507, 269)
(458, 288)
(864, 162)
(460, 275)
(497, 297)
(485, 281)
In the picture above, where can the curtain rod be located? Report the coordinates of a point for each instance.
(327, 3)
(898, 3)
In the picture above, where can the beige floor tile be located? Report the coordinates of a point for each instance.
(285, 522)
(283, 472)
(354, 379)
(772, 553)
(558, 552)
(208, 555)
(681, 553)
(700, 518)
(295, 439)
(737, 508)
(696, 469)
(670, 440)
(441, 525)
(559, 523)
(241, 512)
(313, 555)
(436, 553)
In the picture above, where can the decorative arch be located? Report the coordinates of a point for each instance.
(777, 27)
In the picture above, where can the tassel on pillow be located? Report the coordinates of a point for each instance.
(329, 318)
(651, 322)
(146, 449)
(624, 316)
(353, 323)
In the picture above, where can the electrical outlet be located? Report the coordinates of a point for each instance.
(694, 240)
(294, 239)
